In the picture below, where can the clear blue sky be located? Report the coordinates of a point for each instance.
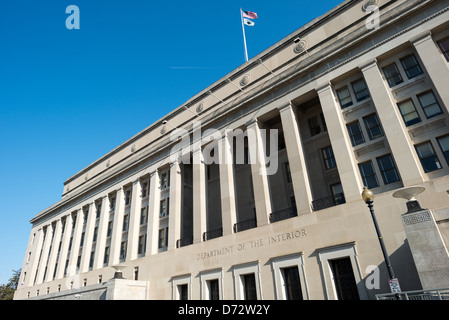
(67, 97)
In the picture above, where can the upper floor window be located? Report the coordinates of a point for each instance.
(165, 179)
(329, 159)
(368, 175)
(409, 113)
(429, 159)
(444, 46)
(127, 197)
(411, 66)
(373, 127)
(393, 75)
(429, 104)
(355, 133)
(444, 145)
(344, 96)
(360, 90)
(314, 126)
(388, 169)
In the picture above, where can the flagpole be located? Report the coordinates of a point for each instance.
(244, 35)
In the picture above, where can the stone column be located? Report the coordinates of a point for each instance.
(102, 231)
(296, 159)
(64, 246)
(262, 197)
(434, 63)
(401, 147)
(88, 238)
(35, 254)
(44, 256)
(341, 145)
(227, 187)
(427, 246)
(54, 250)
(175, 207)
(76, 242)
(134, 220)
(117, 227)
(199, 196)
(153, 215)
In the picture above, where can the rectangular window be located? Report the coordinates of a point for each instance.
(144, 189)
(429, 104)
(106, 256)
(411, 66)
(408, 112)
(388, 169)
(392, 75)
(183, 291)
(444, 46)
(109, 233)
(163, 238)
(355, 133)
(373, 127)
(163, 208)
(360, 90)
(292, 284)
(444, 145)
(123, 250)
(344, 279)
(127, 197)
(337, 193)
(344, 96)
(125, 223)
(249, 286)
(429, 159)
(141, 247)
(165, 180)
(329, 159)
(213, 288)
(314, 126)
(368, 175)
(143, 216)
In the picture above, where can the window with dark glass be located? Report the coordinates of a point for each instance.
(388, 169)
(123, 250)
(373, 127)
(429, 159)
(125, 222)
(444, 46)
(409, 113)
(106, 256)
(127, 197)
(355, 133)
(183, 291)
(337, 193)
(292, 283)
(213, 287)
(360, 90)
(411, 66)
(429, 104)
(344, 96)
(141, 246)
(368, 175)
(444, 145)
(314, 126)
(249, 286)
(329, 158)
(393, 75)
(143, 215)
(344, 279)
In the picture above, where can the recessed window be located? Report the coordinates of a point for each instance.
(213, 289)
(360, 90)
(409, 113)
(123, 250)
(163, 238)
(144, 189)
(444, 46)
(388, 169)
(143, 215)
(344, 280)
(249, 286)
(292, 283)
(393, 75)
(106, 256)
(429, 159)
(355, 133)
(314, 126)
(141, 246)
(411, 66)
(429, 104)
(344, 96)
(329, 158)
(373, 127)
(127, 197)
(125, 222)
(368, 175)
(444, 145)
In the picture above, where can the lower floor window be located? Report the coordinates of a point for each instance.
(429, 159)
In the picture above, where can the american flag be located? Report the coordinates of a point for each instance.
(249, 15)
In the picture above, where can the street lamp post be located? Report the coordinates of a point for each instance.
(368, 197)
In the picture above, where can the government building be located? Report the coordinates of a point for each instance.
(357, 97)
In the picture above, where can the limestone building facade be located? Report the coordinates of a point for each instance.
(359, 97)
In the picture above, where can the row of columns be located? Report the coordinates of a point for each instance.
(400, 144)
